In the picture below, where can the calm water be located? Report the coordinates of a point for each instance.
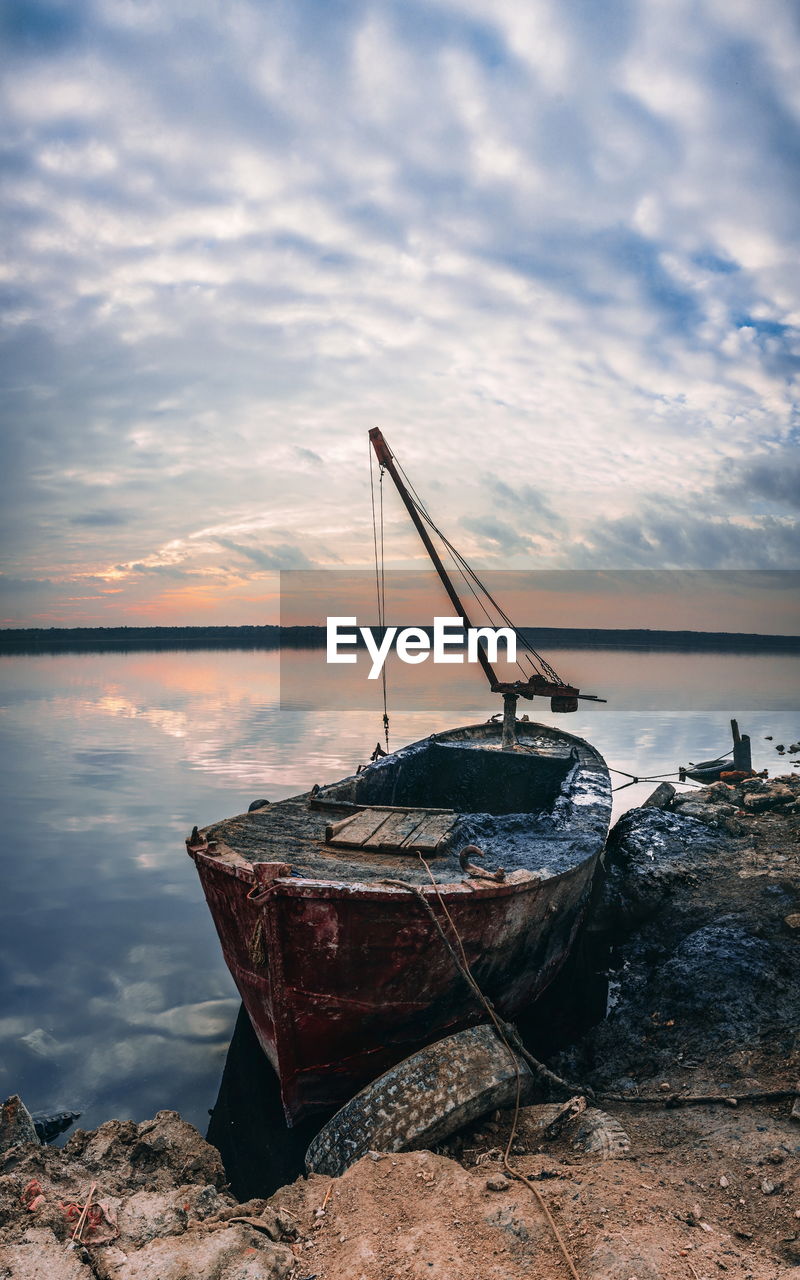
(115, 999)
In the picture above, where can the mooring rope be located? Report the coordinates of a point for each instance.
(658, 777)
(634, 777)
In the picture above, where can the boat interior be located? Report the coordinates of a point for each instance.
(466, 778)
(434, 798)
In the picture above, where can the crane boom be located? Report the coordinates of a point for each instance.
(386, 459)
(563, 697)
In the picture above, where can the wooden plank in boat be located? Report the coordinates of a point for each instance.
(379, 828)
(398, 828)
(431, 834)
(356, 831)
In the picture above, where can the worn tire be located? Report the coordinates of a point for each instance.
(601, 1136)
(422, 1100)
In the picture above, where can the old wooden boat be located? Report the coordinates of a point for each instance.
(343, 974)
(338, 909)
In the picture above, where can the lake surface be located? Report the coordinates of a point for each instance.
(115, 999)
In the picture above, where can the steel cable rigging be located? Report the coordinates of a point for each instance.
(481, 593)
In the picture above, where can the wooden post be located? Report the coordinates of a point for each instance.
(509, 739)
(742, 758)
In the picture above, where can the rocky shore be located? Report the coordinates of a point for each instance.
(697, 1065)
(133, 1202)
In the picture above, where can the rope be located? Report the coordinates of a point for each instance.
(507, 1036)
(654, 777)
(673, 1100)
(380, 581)
(634, 778)
(536, 659)
(383, 620)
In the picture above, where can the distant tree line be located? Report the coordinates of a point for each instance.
(120, 639)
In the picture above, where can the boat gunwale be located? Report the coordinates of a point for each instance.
(292, 885)
(309, 887)
(491, 729)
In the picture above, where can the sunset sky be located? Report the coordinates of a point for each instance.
(748, 600)
(551, 247)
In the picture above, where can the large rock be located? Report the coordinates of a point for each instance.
(40, 1256)
(649, 853)
(727, 980)
(160, 1153)
(713, 815)
(774, 798)
(715, 805)
(162, 1211)
(717, 985)
(234, 1253)
(16, 1124)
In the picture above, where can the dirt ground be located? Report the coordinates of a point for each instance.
(660, 1214)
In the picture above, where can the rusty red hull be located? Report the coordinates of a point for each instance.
(340, 982)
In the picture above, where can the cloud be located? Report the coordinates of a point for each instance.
(308, 455)
(282, 556)
(662, 532)
(773, 477)
(12, 586)
(564, 278)
(101, 518)
(502, 539)
(525, 500)
(158, 570)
